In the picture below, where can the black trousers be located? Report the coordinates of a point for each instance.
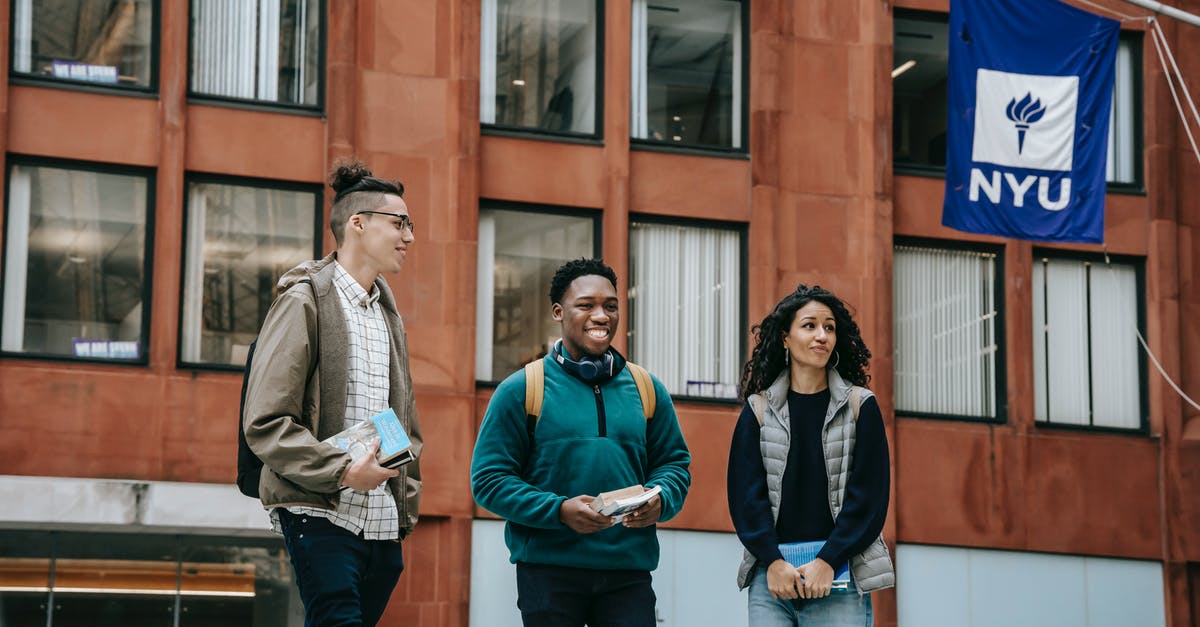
(343, 578)
(558, 596)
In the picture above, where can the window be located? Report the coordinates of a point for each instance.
(264, 50)
(921, 62)
(98, 42)
(950, 585)
(75, 266)
(519, 250)
(69, 579)
(921, 57)
(685, 306)
(240, 238)
(539, 65)
(946, 303)
(687, 72)
(1087, 367)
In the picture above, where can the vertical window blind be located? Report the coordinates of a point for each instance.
(945, 332)
(256, 49)
(685, 306)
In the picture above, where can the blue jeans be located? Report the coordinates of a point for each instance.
(558, 596)
(839, 609)
(343, 579)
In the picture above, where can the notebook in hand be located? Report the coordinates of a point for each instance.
(800, 553)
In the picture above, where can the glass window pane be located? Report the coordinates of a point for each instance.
(267, 50)
(230, 583)
(240, 240)
(95, 41)
(685, 306)
(538, 65)
(687, 72)
(74, 263)
(24, 578)
(945, 331)
(921, 58)
(518, 254)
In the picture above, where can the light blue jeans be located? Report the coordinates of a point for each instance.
(839, 609)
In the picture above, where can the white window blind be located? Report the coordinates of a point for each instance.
(945, 332)
(1086, 364)
(685, 305)
(255, 49)
(1122, 143)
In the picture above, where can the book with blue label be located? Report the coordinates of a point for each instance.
(800, 553)
(395, 447)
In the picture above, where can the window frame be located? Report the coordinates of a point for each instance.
(254, 104)
(743, 231)
(741, 153)
(595, 138)
(149, 90)
(1135, 40)
(238, 181)
(561, 211)
(1000, 378)
(177, 546)
(150, 176)
(905, 167)
(1139, 267)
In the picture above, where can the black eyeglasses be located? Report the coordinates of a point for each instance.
(405, 221)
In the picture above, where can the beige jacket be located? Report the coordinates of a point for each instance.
(296, 395)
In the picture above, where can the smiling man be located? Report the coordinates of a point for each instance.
(342, 519)
(595, 432)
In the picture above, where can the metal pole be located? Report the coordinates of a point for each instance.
(1158, 7)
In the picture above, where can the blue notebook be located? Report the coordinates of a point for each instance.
(395, 447)
(800, 553)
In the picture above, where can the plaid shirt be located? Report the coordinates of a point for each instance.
(372, 514)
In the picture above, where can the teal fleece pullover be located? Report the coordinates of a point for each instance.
(589, 439)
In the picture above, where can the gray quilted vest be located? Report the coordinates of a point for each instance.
(872, 569)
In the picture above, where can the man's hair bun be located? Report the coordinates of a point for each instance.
(347, 174)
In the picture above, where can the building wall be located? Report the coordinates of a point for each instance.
(822, 205)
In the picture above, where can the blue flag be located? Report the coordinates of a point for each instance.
(1030, 87)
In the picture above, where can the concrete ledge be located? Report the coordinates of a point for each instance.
(117, 505)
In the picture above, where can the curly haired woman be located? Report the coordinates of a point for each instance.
(809, 463)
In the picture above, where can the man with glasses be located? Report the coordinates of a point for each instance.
(332, 353)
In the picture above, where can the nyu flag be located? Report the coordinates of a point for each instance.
(1030, 87)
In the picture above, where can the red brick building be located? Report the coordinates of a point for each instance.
(165, 161)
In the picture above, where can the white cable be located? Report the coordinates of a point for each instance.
(1187, 127)
(1178, 391)
(1187, 96)
(1124, 17)
(1159, 45)
(1142, 340)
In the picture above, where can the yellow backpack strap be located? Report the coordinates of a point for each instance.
(535, 387)
(855, 399)
(757, 403)
(645, 386)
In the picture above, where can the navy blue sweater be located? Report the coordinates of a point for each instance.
(804, 508)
